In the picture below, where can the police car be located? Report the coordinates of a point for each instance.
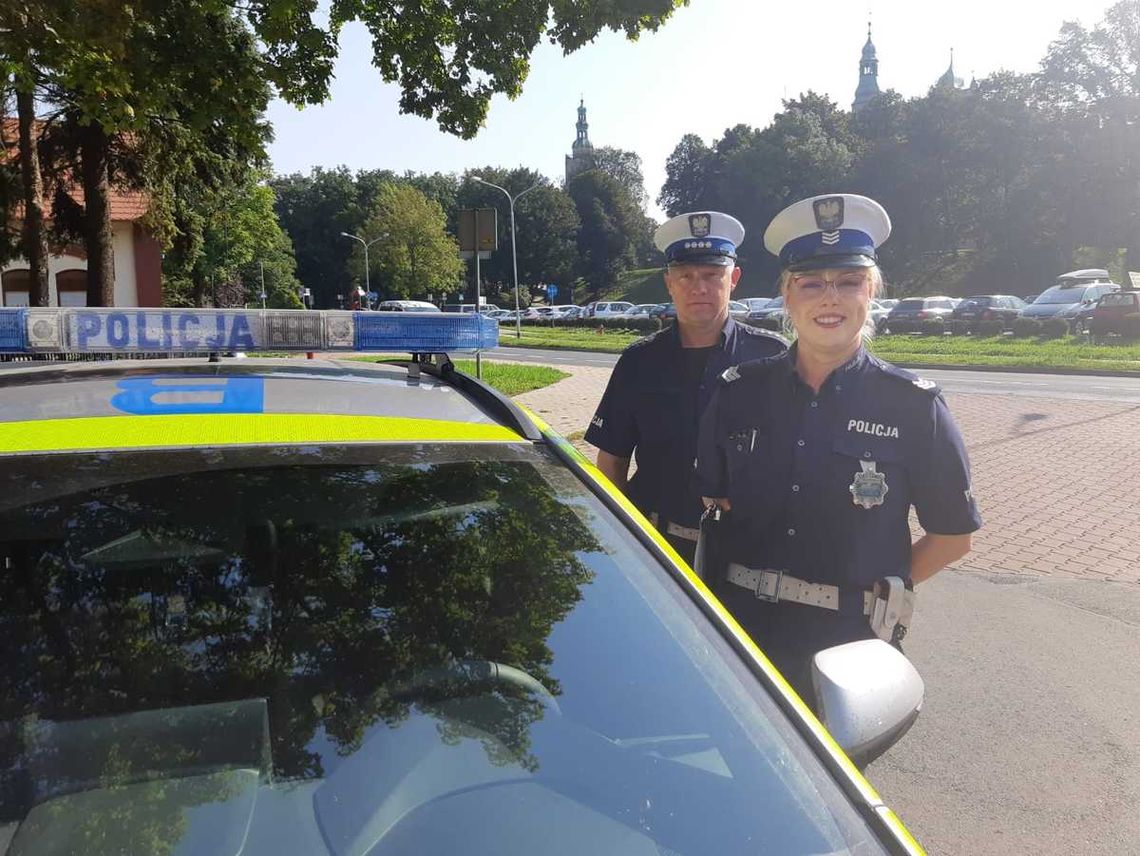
(277, 606)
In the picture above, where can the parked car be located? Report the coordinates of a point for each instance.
(365, 617)
(774, 308)
(407, 306)
(1067, 298)
(499, 314)
(609, 309)
(667, 312)
(567, 310)
(888, 303)
(912, 311)
(1110, 312)
(755, 303)
(877, 315)
(989, 307)
(643, 310)
(738, 309)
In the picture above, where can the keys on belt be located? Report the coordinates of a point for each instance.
(889, 613)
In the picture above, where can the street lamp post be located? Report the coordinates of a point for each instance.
(514, 258)
(366, 245)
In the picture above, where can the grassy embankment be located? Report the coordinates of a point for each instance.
(996, 351)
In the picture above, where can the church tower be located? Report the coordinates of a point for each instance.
(868, 86)
(581, 157)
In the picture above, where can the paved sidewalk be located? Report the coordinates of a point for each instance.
(1058, 482)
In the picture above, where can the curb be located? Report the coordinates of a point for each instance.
(1050, 370)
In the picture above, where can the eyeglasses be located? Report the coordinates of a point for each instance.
(812, 286)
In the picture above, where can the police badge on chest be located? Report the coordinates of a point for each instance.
(869, 487)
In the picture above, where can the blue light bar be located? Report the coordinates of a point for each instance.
(195, 331)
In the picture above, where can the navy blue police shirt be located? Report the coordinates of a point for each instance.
(787, 459)
(649, 411)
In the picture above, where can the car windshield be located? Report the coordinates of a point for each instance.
(1062, 294)
(371, 650)
(975, 302)
(911, 303)
(1119, 299)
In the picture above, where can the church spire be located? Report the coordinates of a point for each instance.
(868, 86)
(948, 79)
(581, 157)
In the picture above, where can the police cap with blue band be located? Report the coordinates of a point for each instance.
(699, 238)
(836, 230)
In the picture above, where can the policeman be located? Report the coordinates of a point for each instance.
(818, 454)
(661, 384)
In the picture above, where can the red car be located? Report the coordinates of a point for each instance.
(1116, 312)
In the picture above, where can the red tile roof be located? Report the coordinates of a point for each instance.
(126, 205)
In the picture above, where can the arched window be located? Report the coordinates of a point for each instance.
(16, 286)
(71, 286)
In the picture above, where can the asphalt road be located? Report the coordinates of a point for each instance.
(1029, 738)
(1074, 387)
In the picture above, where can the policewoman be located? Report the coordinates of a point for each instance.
(651, 408)
(818, 454)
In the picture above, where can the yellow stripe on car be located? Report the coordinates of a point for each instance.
(235, 429)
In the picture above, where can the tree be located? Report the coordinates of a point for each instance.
(240, 239)
(625, 168)
(610, 223)
(687, 175)
(414, 256)
(450, 57)
(314, 210)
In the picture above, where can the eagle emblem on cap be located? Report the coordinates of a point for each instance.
(699, 225)
(828, 213)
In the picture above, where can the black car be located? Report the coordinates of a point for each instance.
(988, 307)
(911, 313)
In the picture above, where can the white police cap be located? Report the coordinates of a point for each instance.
(833, 230)
(699, 238)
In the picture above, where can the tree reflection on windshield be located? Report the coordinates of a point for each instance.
(322, 589)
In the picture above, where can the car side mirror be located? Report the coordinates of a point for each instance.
(868, 696)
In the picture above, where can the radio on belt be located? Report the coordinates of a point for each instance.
(29, 330)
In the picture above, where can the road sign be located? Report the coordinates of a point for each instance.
(551, 291)
(478, 230)
(1134, 275)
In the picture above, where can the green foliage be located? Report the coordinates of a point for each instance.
(989, 327)
(413, 256)
(239, 238)
(1023, 327)
(1055, 328)
(611, 219)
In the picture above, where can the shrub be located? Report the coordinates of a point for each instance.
(641, 325)
(933, 326)
(990, 327)
(901, 326)
(1025, 327)
(1055, 328)
(1130, 326)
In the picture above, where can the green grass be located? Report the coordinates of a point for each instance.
(508, 378)
(1066, 353)
(997, 351)
(573, 339)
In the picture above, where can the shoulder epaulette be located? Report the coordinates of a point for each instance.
(908, 377)
(748, 368)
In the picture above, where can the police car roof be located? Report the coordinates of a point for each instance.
(75, 390)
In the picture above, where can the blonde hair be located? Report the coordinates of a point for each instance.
(868, 331)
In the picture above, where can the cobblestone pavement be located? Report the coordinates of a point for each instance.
(1058, 482)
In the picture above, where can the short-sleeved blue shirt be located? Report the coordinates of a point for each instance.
(788, 459)
(646, 412)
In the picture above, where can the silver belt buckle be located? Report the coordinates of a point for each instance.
(775, 595)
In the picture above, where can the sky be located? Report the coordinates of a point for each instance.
(714, 64)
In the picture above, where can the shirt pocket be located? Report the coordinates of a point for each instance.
(869, 477)
(752, 476)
